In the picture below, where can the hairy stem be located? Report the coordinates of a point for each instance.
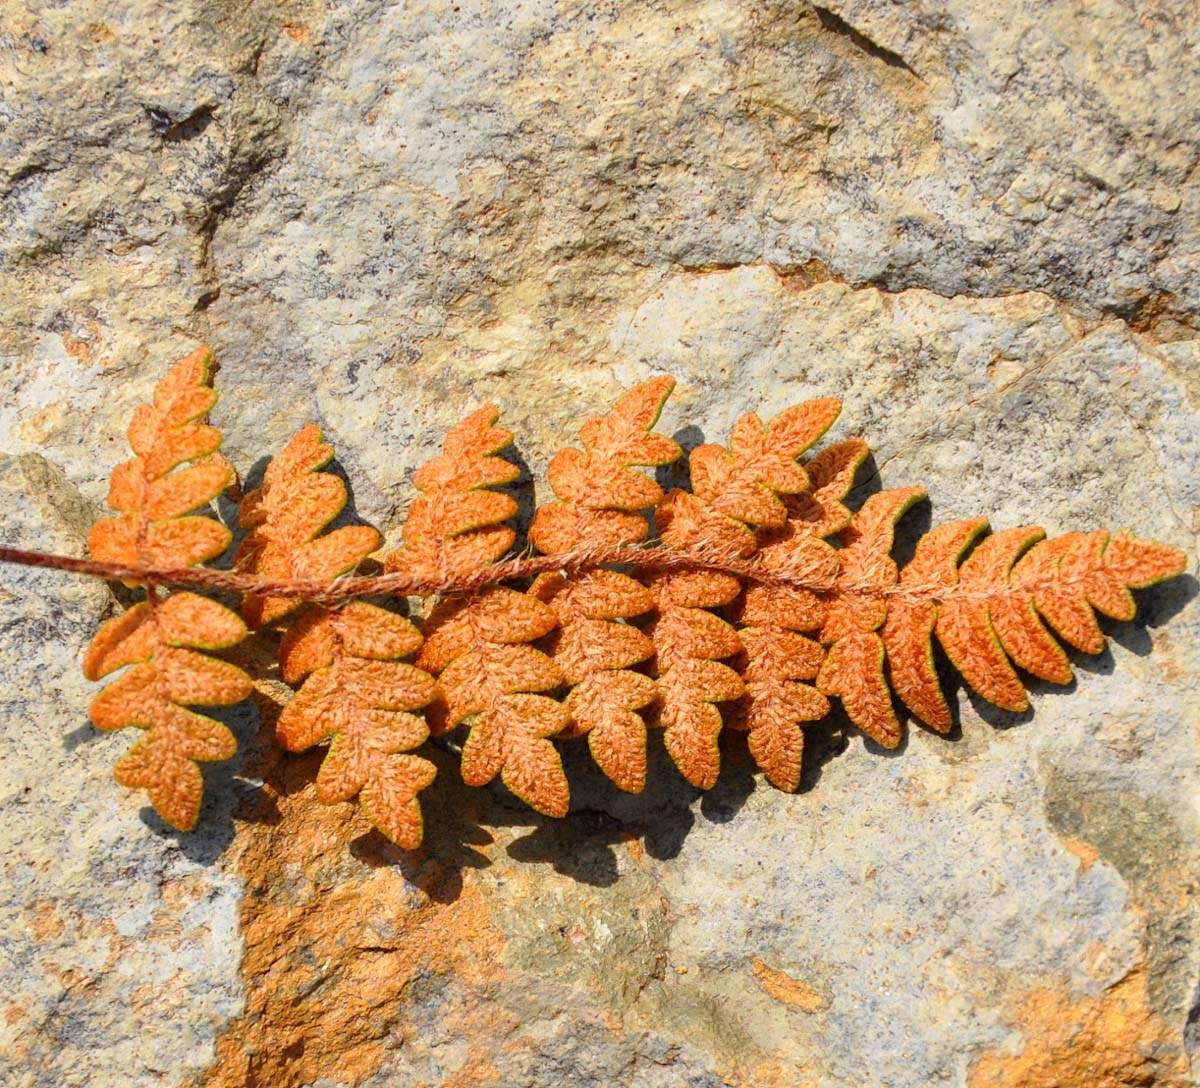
(402, 584)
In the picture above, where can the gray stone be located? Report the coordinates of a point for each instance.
(977, 226)
(115, 931)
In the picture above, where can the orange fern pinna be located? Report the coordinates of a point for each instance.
(155, 497)
(601, 496)
(763, 597)
(356, 694)
(478, 644)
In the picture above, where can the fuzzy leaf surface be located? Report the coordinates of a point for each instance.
(151, 499)
(357, 697)
(853, 666)
(454, 526)
(912, 616)
(285, 518)
(176, 470)
(594, 650)
(598, 489)
(160, 641)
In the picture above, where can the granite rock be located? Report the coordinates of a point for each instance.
(981, 229)
(113, 929)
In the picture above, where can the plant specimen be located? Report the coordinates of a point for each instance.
(746, 602)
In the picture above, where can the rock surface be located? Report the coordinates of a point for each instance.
(981, 229)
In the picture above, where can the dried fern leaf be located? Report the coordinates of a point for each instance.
(153, 501)
(154, 493)
(487, 672)
(689, 642)
(1014, 580)
(1095, 574)
(745, 481)
(853, 666)
(455, 526)
(777, 659)
(776, 701)
(990, 611)
(747, 546)
(734, 492)
(965, 628)
(285, 517)
(159, 640)
(912, 616)
(357, 698)
(477, 644)
(819, 510)
(356, 695)
(595, 652)
(593, 646)
(599, 490)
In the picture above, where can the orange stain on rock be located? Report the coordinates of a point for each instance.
(799, 278)
(82, 348)
(1112, 1041)
(791, 991)
(772, 1075)
(45, 923)
(183, 892)
(1087, 855)
(333, 936)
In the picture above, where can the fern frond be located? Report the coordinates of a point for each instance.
(153, 501)
(764, 596)
(992, 611)
(776, 658)
(356, 694)
(357, 697)
(819, 511)
(853, 666)
(478, 647)
(595, 651)
(600, 492)
(689, 643)
(911, 618)
(285, 518)
(155, 495)
(456, 525)
(745, 482)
